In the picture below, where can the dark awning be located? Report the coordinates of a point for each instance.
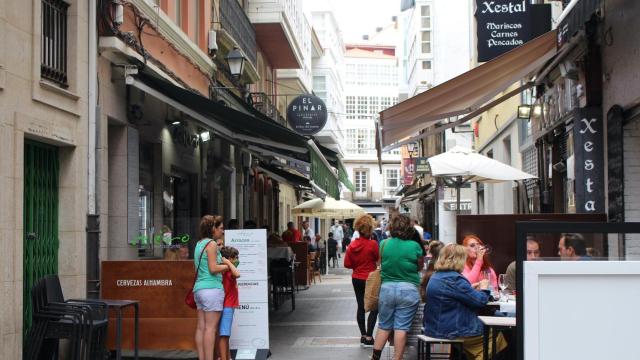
(244, 127)
(282, 175)
(575, 17)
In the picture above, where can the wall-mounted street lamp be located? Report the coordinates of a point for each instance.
(205, 135)
(524, 111)
(412, 149)
(235, 60)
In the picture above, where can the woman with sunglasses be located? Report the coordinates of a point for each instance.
(478, 266)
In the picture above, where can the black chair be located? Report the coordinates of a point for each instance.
(83, 322)
(282, 281)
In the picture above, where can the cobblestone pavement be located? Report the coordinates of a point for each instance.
(323, 326)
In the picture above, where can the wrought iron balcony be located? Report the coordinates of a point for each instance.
(262, 102)
(235, 21)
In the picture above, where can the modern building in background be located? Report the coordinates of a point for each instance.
(436, 45)
(371, 86)
(329, 74)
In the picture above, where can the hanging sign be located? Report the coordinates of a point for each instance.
(408, 170)
(307, 114)
(506, 24)
(588, 143)
(422, 165)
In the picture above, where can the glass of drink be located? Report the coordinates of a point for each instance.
(502, 283)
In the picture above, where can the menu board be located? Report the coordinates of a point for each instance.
(250, 330)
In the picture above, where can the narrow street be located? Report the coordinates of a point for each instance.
(323, 326)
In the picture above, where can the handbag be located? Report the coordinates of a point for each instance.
(372, 287)
(190, 299)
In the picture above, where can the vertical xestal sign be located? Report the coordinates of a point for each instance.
(503, 25)
(588, 144)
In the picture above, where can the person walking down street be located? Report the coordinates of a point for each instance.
(291, 234)
(347, 236)
(452, 304)
(399, 297)
(332, 248)
(362, 257)
(338, 233)
(208, 289)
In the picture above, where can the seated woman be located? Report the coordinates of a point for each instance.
(452, 304)
(478, 266)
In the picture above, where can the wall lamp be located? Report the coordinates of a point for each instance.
(205, 135)
(235, 60)
(524, 111)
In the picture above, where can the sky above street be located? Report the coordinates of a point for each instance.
(360, 17)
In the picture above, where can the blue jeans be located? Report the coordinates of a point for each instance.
(397, 305)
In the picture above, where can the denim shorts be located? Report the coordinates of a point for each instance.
(397, 305)
(209, 299)
(225, 321)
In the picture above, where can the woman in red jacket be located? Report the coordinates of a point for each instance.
(362, 256)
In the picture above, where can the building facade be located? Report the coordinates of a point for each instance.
(371, 86)
(43, 126)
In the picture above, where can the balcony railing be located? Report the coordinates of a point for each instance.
(262, 102)
(235, 21)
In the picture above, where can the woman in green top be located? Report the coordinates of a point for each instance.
(208, 290)
(399, 296)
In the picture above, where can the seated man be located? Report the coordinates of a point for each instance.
(572, 247)
(533, 253)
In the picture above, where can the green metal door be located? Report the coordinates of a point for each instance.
(40, 238)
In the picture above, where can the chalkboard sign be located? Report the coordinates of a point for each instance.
(615, 151)
(506, 24)
(307, 114)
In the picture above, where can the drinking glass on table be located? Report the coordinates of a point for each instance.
(502, 283)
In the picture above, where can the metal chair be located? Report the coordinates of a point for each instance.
(83, 322)
(282, 280)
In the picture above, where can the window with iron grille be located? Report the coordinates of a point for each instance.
(53, 61)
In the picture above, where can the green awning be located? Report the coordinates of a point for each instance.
(322, 174)
(343, 175)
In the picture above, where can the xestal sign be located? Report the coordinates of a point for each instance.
(506, 24)
(588, 144)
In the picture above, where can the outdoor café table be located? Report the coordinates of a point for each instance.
(494, 323)
(118, 305)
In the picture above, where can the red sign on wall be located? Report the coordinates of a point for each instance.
(408, 170)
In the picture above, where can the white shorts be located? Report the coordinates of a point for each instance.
(209, 299)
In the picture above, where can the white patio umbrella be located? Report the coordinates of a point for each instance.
(462, 165)
(328, 208)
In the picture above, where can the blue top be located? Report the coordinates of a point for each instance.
(205, 279)
(451, 306)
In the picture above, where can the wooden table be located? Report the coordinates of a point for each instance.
(494, 323)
